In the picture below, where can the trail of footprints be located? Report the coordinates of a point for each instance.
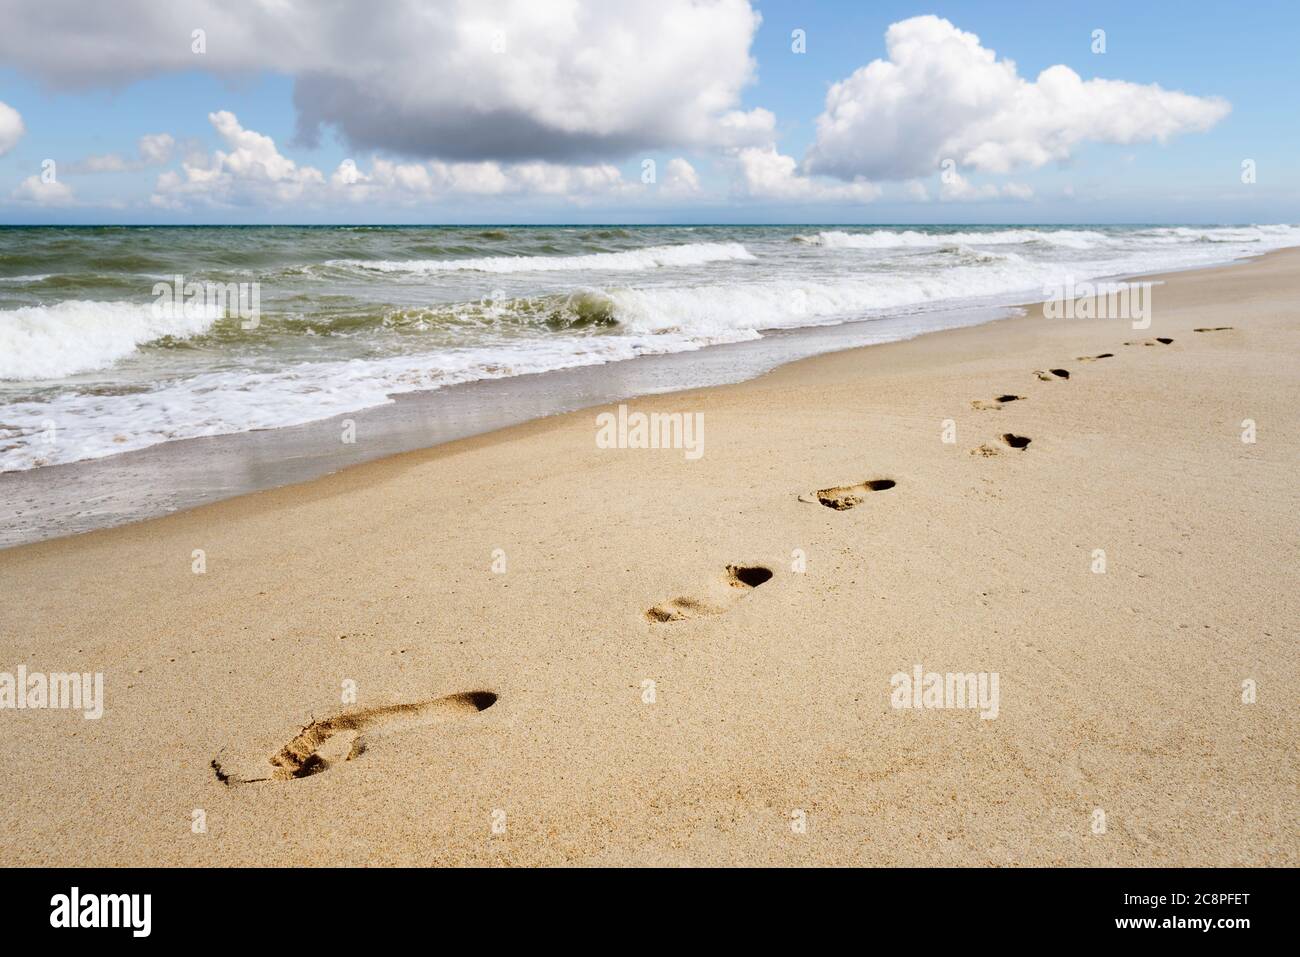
(740, 580)
(1021, 442)
(321, 744)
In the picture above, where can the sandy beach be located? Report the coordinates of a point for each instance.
(566, 654)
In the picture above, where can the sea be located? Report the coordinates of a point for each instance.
(114, 339)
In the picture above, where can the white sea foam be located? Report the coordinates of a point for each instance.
(1273, 235)
(653, 320)
(889, 239)
(1270, 235)
(670, 307)
(86, 426)
(632, 260)
(50, 342)
(717, 312)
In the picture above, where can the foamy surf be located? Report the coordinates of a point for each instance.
(887, 239)
(1081, 239)
(655, 257)
(715, 312)
(350, 318)
(52, 342)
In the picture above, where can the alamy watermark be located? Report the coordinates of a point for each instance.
(654, 430)
(209, 299)
(68, 691)
(953, 689)
(130, 911)
(1101, 300)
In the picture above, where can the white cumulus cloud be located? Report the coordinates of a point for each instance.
(38, 192)
(11, 128)
(155, 149)
(959, 189)
(250, 170)
(459, 80)
(765, 173)
(680, 179)
(404, 183)
(941, 95)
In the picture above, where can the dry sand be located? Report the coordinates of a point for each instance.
(1120, 691)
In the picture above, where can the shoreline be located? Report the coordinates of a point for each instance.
(579, 644)
(60, 501)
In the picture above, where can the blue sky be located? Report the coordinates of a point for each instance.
(71, 110)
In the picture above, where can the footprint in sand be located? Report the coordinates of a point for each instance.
(844, 497)
(979, 405)
(1104, 355)
(1046, 377)
(1212, 329)
(1015, 441)
(1159, 340)
(739, 581)
(321, 744)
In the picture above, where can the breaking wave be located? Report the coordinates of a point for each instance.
(632, 260)
(49, 342)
